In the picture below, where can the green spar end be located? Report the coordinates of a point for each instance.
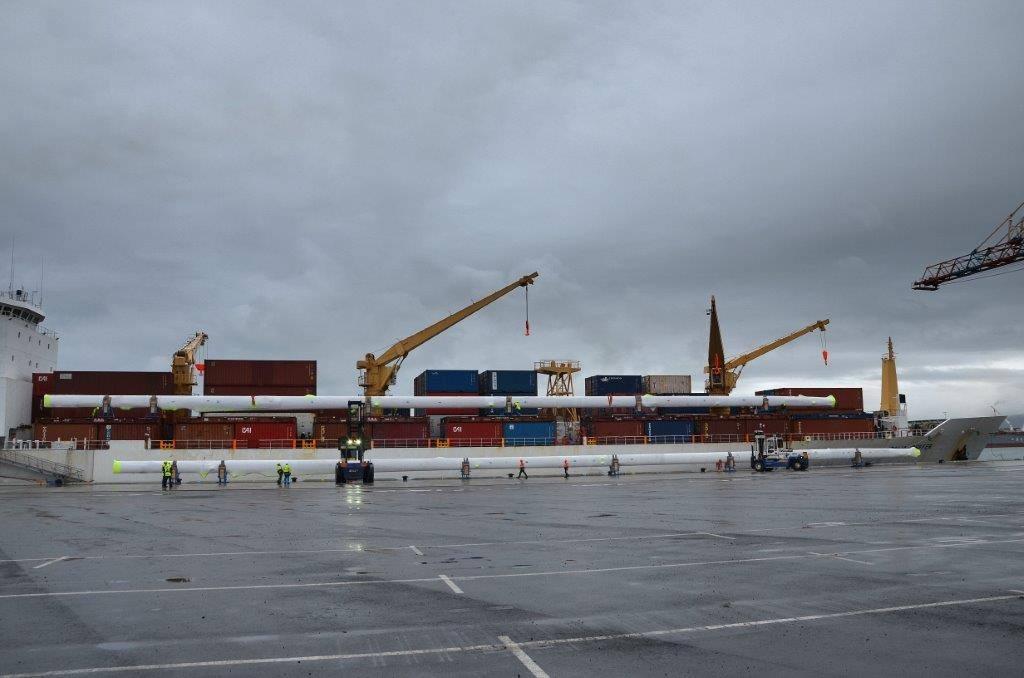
(832, 399)
(47, 400)
(117, 466)
(914, 452)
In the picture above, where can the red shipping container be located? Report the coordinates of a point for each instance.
(412, 429)
(252, 432)
(258, 390)
(201, 429)
(847, 399)
(483, 431)
(772, 426)
(814, 426)
(260, 373)
(52, 432)
(708, 426)
(615, 428)
(65, 382)
(130, 431)
(450, 411)
(330, 430)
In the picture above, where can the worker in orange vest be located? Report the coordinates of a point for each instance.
(522, 469)
(565, 466)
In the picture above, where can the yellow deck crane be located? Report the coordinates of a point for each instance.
(723, 374)
(377, 373)
(183, 364)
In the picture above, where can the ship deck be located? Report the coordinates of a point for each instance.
(896, 569)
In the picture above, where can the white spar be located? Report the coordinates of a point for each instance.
(301, 467)
(323, 402)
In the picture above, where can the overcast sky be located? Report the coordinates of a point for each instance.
(317, 180)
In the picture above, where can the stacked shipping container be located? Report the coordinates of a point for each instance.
(259, 377)
(444, 383)
(96, 383)
(508, 383)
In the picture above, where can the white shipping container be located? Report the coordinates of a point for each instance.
(667, 384)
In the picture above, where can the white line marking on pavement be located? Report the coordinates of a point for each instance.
(839, 557)
(540, 643)
(712, 534)
(416, 551)
(447, 580)
(50, 562)
(473, 577)
(527, 661)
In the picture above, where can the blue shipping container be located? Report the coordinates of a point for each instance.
(678, 427)
(684, 410)
(529, 432)
(614, 384)
(508, 382)
(501, 412)
(445, 381)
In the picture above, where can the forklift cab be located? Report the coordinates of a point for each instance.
(769, 453)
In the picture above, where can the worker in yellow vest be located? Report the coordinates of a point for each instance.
(287, 470)
(166, 480)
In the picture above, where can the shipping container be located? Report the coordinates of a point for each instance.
(615, 428)
(258, 390)
(657, 428)
(130, 431)
(528, 432)
(817, 426)
(508, 382)
(850, 399)
(683, 410)
(504, 412)
(260, 373)
(447, 411)
(330, 430)
(722, 427)
(667, 384)
(771, 426)
(479, 432)
(203, 429)
(65, 382)
(412, 429)
(614, 384)
(256, 433)
(446, 382)
(53, 432)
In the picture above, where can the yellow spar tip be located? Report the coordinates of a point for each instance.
(117, 466)
(47, 399)
(915, 452)
(832, 399)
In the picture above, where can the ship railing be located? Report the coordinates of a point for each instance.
(70, 444)
(18, 458)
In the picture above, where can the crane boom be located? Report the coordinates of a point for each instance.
(183, 361)
(1005, 249)
(741, 360)
(378, 372)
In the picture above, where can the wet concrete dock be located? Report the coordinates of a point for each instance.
(901, 569)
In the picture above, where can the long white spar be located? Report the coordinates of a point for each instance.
(301, 467)
(325, 402)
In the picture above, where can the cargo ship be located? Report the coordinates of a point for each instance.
(145, 433)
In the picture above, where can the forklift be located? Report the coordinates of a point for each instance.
(768, 453)
(353, 448)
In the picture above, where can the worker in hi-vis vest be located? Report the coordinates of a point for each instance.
(166, 480)
(280, 472)
(287, 469)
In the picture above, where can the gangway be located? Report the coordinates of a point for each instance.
(48, 470)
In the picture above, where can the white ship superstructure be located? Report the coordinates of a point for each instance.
(25, 347)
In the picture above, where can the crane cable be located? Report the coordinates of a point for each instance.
(824, 346)
(527, 289)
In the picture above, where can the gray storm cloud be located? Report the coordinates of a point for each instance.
(316, 180)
